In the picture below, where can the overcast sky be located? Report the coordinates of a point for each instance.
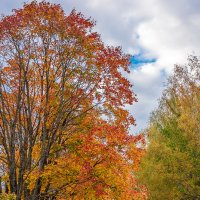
(160, 33)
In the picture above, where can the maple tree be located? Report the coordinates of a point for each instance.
(170, 168)
(63, 125)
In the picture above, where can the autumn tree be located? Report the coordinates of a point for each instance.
(63, 125)
(170, 168)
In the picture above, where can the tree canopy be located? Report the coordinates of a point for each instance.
(63, 124)
(170, 168)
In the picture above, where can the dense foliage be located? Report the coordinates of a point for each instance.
(171, 166)
(63, 125)
(64, 129)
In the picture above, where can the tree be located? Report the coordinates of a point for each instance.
(62, 97)
(170, 168)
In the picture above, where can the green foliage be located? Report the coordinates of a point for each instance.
(171, 167)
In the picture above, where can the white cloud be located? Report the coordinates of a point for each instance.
(148, 82)
(167, 30)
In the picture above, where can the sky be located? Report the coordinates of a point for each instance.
(158, 33)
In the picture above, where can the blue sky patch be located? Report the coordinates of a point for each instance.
(138, 60)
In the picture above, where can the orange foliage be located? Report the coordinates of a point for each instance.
(64, 128)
